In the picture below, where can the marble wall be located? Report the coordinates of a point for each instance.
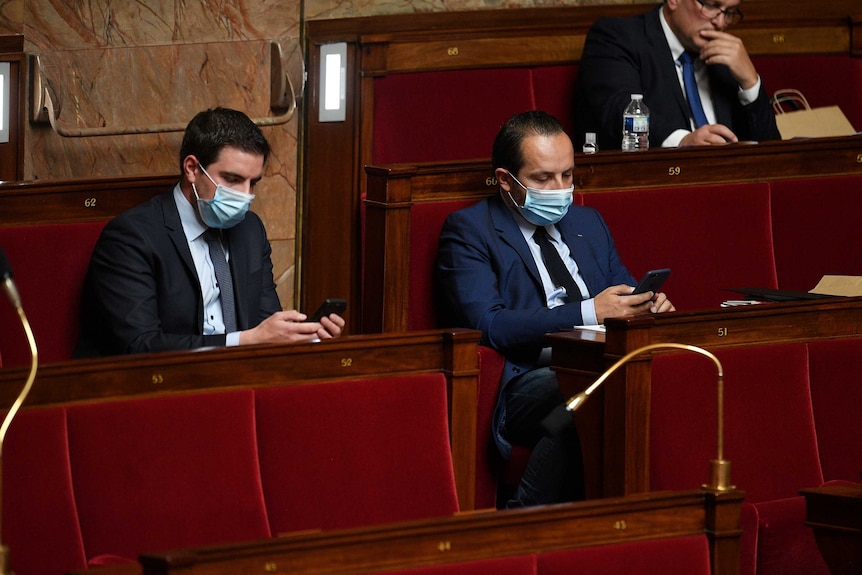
(129, 65)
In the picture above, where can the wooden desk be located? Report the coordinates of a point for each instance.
(835, 514)
(615, 424)
(478, 536)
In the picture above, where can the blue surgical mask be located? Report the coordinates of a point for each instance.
(544, 207)
(227, 208)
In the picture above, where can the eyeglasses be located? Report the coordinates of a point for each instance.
(711, 10)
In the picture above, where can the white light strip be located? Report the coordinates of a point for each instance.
(4, 102)
(333, 82)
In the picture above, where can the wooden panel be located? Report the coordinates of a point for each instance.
(468, 538)
(63, 201)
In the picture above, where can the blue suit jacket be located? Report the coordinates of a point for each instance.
(489, 281)
(625, 56)
(142, 291)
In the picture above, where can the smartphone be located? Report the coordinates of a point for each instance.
(652, 281)
(331, 305)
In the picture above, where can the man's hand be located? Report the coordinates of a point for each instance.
(709, 135)
(616, 301)
(290, 326)
(724, 48)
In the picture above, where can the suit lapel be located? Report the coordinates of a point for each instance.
(510, 234)
(176, 233)
(666, 72)
(573, 236)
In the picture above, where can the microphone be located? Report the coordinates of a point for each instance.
(8, 284)
(719, 468)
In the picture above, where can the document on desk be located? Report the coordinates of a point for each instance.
(598, 328)
(848, 286)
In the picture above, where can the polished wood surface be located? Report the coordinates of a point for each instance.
(615, 443)
(80, 200)
(472, 537)
(333, 181)
(452, 352)
(834, 512)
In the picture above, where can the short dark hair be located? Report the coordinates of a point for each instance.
(211, 130)
(507, 152)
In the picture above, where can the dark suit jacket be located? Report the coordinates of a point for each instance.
(625, 56)
(489, 281)
(142, 291)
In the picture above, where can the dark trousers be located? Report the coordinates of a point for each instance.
(555, 471)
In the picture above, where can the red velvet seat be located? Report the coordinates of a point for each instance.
(520, 565)
(816, 229)
(147, 478)
(40, 519)
(448, 115)
(49, 263)
(371, 451)
(672, 556)
(769, 436)
(836, 394)
(713, 238)
(554, 92)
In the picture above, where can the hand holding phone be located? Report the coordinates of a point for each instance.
(652, 281)
(331, 305)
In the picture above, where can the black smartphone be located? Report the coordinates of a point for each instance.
(331, 305)
(652, 281)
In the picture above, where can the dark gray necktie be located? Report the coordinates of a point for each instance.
(556, 267)
(223, 278)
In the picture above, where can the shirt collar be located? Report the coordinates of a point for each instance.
(192, 226)
(676, 47)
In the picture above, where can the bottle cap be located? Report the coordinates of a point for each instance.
(591, 137)
(637, 96)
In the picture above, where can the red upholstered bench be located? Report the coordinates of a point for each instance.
(99, 483)
(40, 517)
(455, 114)
(713, 238)
(49, 263)
(770, 440)
(671, 556)
(836, 393)
(816, 229)
(351, 453)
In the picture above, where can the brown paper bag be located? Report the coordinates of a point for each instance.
(808, 122)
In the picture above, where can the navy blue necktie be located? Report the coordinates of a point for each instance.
(691, 92)
(556, 266)
(223, 278)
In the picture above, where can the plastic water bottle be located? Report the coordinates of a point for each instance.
(590, 146)
(636, 125)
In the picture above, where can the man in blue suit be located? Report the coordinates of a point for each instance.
(493, 276)
(645, 54)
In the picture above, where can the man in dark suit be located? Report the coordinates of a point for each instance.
(644, 55)
(493, 276)
(191, 268)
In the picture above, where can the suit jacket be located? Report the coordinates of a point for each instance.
(488, 280)
(625, 56)
(142, 292)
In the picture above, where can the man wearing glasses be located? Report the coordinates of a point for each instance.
(696, 79)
